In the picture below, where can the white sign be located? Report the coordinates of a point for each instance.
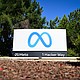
(39, 40)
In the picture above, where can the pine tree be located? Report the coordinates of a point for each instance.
(63, 23)
(74, 30)
(17, 14)
(54, 23)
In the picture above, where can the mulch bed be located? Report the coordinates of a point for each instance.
(38, 70)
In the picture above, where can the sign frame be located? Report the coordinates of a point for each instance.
(39, 53)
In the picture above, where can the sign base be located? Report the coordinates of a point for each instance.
(39, 53)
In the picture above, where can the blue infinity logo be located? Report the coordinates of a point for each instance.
(39, 38)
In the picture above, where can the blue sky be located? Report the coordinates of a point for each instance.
(53, 8)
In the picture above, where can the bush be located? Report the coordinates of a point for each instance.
(71, 53)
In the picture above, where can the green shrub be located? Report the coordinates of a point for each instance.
(71, 53)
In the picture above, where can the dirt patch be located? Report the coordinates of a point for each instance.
(38, 70)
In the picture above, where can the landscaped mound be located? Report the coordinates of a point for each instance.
(38, 70)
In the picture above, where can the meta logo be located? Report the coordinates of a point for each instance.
(39, 38)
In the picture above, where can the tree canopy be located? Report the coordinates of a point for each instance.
(17, 14)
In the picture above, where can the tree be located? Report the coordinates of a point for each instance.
(54, 23)
(72, 25)
(63, 23)
(74, 30)
(17, 14)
